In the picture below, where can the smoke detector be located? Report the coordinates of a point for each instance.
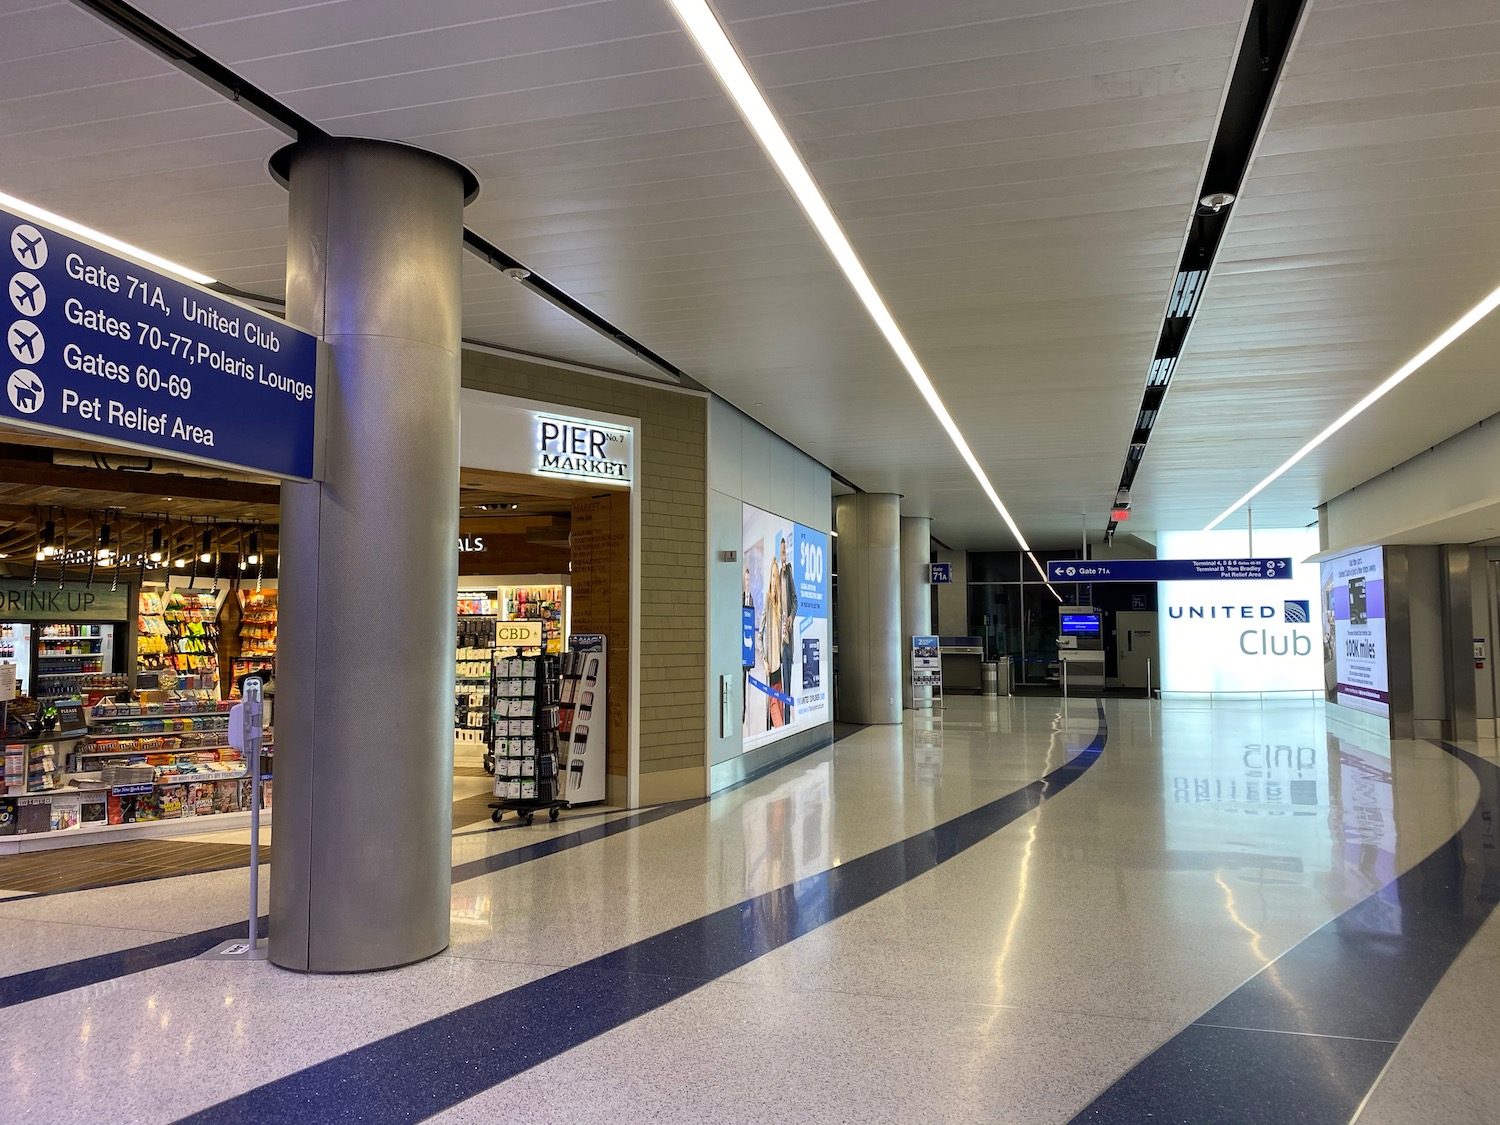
(1217, 200)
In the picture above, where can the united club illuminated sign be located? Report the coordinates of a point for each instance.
(582, 450)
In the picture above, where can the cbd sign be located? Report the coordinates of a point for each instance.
(571, 447)
(518, 634)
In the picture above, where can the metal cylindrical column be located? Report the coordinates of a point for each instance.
(916, 599)
(369, 563)
(869, 607)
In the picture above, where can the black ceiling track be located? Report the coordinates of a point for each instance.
(166, 43)
(1268, 36)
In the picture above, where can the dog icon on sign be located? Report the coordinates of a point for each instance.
(26, 391)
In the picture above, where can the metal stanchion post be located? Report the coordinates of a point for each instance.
(245, 730)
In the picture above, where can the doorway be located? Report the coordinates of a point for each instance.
(1137, 649)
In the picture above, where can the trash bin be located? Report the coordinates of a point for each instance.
(989, 677)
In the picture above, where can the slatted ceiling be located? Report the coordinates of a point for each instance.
(501, 312)
(99, 129)
(1368, 223)
(1014, 173)
(625, 176)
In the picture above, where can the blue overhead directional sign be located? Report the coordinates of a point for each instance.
(100, 347)
(1167, 570)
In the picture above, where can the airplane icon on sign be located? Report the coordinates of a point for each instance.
(28, 245)
(26, 337)
(27, 294)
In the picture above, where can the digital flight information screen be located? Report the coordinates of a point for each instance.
(1080, 624)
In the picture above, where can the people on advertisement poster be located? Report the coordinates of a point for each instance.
(776, 709)
(1354, 649)
(785, 626)
(788, 620)
(747, 643)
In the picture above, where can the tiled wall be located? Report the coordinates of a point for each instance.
(673, 458)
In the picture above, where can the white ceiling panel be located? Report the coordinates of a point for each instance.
(1016, 174)
(1369, 222)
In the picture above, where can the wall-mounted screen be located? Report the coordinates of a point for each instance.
(1080, 624)
(1353, 617)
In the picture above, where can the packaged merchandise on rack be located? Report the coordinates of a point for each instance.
(257, 636)
(537, 603)
(475, 655)
(193, 634)
(142, 761)
(526, 748)
(584, 724)
(152, 636)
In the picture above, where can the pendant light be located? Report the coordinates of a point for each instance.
(36, 562)
(93, 558)
(193, 576)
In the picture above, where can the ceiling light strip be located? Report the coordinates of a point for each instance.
(734, 76)
(1409, 368)
(32, 211)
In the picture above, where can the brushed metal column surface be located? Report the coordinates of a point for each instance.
(1458, 642)
(369, 565)
(1400, 694)
(869, 607)
(916, 599)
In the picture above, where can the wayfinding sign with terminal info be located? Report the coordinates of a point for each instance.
(99, 346)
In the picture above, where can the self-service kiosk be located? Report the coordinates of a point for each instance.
(1080, 648)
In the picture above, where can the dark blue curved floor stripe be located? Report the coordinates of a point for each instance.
(1303, 1040)
(54, 979)
(423, 1070)
(21, 987)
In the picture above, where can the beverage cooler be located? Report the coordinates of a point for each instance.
(77, 658)
(58, 660)
(15, 648)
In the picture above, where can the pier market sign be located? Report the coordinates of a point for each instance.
(582, 450)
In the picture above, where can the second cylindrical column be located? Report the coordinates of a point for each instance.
(869, 607)
(364, 754)
(916, 600)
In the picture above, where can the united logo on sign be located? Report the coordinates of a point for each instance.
(1296, 612)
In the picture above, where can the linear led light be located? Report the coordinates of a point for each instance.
(32, 211)
(1409, 368)
(734, 76)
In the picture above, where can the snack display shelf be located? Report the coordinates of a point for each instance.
(188, 778)
(149, 829)
(151, 753)
(204, 713)
(55, 736)
(161, 733)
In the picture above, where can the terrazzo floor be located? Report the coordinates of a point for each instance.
(1017, 976)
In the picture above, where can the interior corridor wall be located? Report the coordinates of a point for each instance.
(953, 597)
(672, 451)
(748, 464)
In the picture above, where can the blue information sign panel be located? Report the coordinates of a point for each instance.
(100, 347)
(942, 572)
(1167, 570)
